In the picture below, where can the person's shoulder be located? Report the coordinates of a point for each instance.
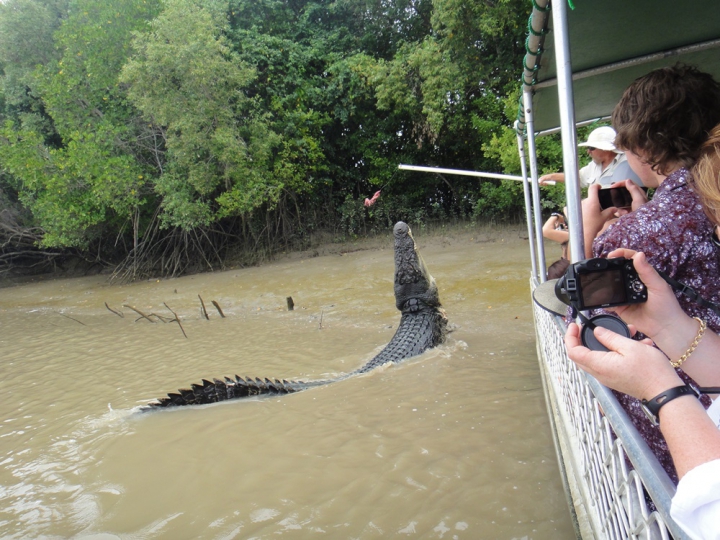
(678, 196)
(620, 170)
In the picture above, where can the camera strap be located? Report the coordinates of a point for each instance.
(690, 293)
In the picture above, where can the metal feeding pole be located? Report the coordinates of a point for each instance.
(461, 172)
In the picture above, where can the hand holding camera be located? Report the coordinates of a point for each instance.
(634, 290)
(601, 283)
(619, 197)
(623, 195)
(594, 217)
(661, 318)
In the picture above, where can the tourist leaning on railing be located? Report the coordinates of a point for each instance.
(662, 121)
(644, 372)
(555, 229)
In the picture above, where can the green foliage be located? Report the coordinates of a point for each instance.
(69, 155)
(259, 119)
(81, 90)
(187, 81)
(27, 28)
(500, 200)
(419, 80)
(70, 190)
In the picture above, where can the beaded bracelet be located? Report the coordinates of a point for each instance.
(693, 345)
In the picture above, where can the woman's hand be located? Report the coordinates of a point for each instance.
(594, 217)
(631, 367)
(661, 317)
(638, 194)
(672, 330)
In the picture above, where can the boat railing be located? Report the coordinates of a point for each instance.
(616, 485)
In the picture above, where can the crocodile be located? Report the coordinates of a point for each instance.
(423, 325)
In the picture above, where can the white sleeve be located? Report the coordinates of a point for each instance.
(714, 412)
(696, 504)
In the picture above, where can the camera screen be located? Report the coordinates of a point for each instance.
(602, 288)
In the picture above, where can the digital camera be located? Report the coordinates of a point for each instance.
(619, 197)
(600, 283)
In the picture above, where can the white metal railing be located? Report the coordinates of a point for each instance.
(596, 445)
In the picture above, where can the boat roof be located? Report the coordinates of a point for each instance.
(612, 42)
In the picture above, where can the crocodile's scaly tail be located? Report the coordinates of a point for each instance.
(422, 326)
(217, 390)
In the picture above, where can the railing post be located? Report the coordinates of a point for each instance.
(532, 151)
(567, 129)
(528, 201)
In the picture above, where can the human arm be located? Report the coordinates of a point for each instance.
(594, 218)
(551, 179)
(639, 370)
(551, 232)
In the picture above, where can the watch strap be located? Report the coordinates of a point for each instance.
(652, 406)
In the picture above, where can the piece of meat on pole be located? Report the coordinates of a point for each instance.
(370, 202)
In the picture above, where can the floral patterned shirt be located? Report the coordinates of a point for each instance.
(675, 235)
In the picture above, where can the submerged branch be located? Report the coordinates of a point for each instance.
(118, 313)
(204, 311)
(217, 306)
(71, 318)
(176, 319)
(142, 315)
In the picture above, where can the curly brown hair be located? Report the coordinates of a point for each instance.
(667, 115)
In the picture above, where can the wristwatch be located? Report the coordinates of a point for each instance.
(652, 407)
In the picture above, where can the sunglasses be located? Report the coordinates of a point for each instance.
(591, 148)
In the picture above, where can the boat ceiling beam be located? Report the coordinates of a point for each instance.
(633, 62)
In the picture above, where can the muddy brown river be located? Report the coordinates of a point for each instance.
(452, 444)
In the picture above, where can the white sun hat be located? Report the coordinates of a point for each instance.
(602, 138)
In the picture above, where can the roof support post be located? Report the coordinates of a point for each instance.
(528, 202)
(532, 151)
(567, 129)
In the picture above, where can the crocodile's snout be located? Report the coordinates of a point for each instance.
(412, 279)
(401, 229)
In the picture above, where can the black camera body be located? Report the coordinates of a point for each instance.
(600, 283)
